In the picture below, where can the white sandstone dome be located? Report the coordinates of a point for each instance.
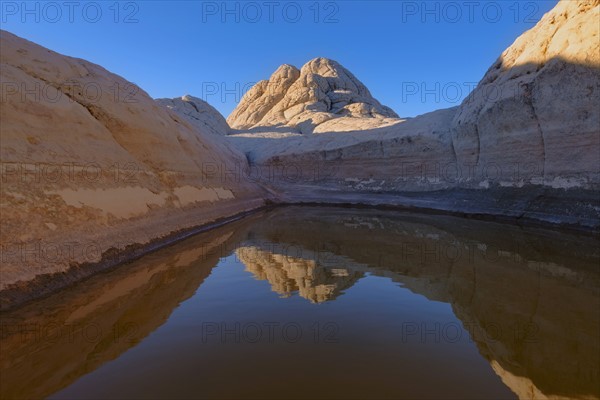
(323, 90)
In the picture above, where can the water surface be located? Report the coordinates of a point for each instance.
(323, 303)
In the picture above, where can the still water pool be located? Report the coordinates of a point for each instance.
(323, 303)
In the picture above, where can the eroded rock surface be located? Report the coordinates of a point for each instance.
(199, 113)
(91, 164)
(537, 106)
(524, 145)
(313, 99)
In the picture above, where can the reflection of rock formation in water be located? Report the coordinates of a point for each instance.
(523, 386)
(287, 274)
(49, 344)
(540, 332)
(529, 298)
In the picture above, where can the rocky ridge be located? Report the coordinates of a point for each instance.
(536, 107)
(311, 99)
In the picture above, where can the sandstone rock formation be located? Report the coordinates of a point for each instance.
(524, 145)
(199, 113)
(537, 106)
(308, 98)
(91, 165)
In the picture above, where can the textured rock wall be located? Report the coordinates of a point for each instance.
(91, 164)
(525, 144)
(537, 106)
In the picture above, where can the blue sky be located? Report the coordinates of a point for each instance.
(414, 56)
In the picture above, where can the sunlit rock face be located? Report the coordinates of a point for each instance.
(307, 276)
(88, 157)
(90, 163)
(199, 113)
(316, 98)
(524, 145)
(537, 105)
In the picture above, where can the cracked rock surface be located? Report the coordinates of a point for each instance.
(311, 99)
(92, 164)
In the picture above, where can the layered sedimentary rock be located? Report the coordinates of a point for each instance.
(537, 105)
(91, 165)
(524, 145)
(199, 113)
(315, 98)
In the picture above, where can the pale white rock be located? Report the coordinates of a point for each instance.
(534, 117)
(199, 113)
(322, 91)
(524, 144)
(537, 108)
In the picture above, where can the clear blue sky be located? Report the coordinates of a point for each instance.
(414, 56)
